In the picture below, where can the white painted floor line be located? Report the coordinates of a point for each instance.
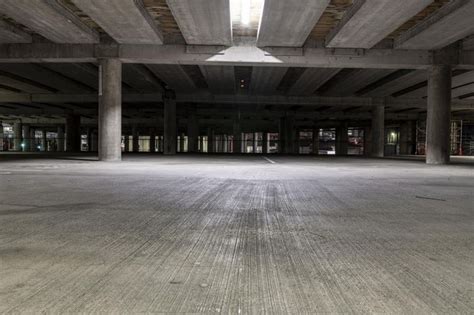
(271, 161)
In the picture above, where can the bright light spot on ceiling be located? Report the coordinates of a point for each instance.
(246, 13)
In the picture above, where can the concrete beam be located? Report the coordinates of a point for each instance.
(288, 23)
(314, 101)
(356, 80)
(85, 73)
(399, 84)
(140, 78)
(311, 80)
(450, 23)
(235, 55)
(203, 22)
(126, 21)
(220, 79)
(46, 77)
(21, 84)
(9, 33)
(174, 76)
(265, 80)
(367, 22)
(50, 19)
(458, 81)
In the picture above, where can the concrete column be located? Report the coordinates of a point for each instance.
(94, 141)
(73, 133)
(282, 135)
(265, 143)
(237, 133)
(126, 142)
(439, 115)
(181, 143)
(44, 141)
(315, 141)
(287, 135)
(201, 143)
(60, 139)
(378, 131)
(342, 140)
(152, 140)
(32, 140)
(135, 139)
(210, 140)
(407, 137)
(169, 101)
(110, 110)
(26, 138)
(367, 141)
(17, 130)
(89, 139)
(1, 136)
(193, 130)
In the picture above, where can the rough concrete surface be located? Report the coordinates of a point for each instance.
(235, 234)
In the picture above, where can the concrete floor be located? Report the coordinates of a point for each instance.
(239, 234)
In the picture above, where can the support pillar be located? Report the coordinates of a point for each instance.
(181, 142)
(94, 141)
(407, 137)
(439, 115)
(60, 139)
(89, 139)
(193, 130)
(367, 141)
(315, 150)
(44, 140)
(73, 133)
(135, 139)
(169, 101)
(237, 133)
(342, 139)
(110, 110)
(210, 140)
(287, 134)
(152, 140)
(17, 130)
(1, 136)
(26, 138)
(378, 131)
(265, 143)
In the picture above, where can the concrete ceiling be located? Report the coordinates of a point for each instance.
(294, 48)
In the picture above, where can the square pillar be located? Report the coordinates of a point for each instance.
(73, 133)
(26, 138)
(342, 139)
(438, 119)
(378, 131)
(407, 137)
(193, 129)
(135, 139)
(152, 140)
(17, 130)
(60, 139)
(265, 143)
(237, 133)
(169, 121)
(44, 140)
(110, 110)
(315, 150)
(210, 140)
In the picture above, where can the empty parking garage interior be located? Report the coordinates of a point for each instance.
(237, 156)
